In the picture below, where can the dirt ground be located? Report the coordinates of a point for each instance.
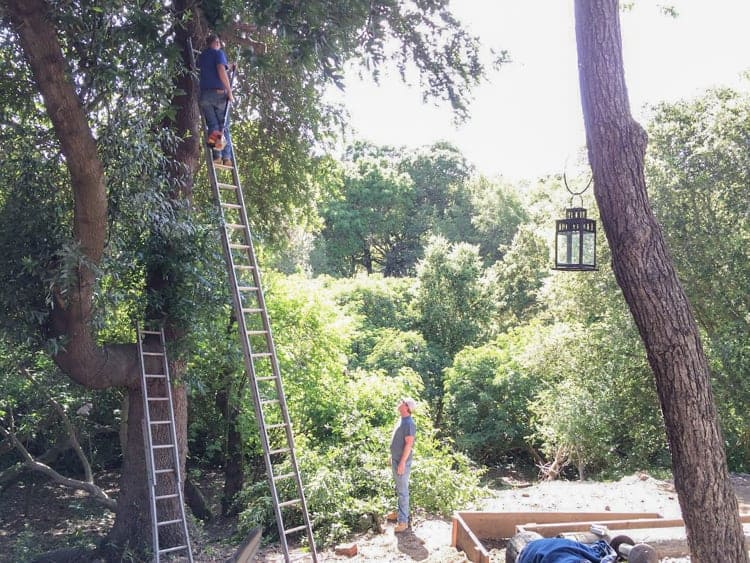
(429, 540)
(34, 515)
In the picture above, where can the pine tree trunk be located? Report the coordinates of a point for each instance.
(646, 274)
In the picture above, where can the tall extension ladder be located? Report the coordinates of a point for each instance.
(261, 363)
(160, 436)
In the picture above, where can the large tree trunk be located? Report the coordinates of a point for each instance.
(82, 359)
(645, 272)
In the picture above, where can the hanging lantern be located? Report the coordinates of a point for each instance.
(575, 238)
(575, 244)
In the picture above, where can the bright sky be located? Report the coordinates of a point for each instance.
(526, 121)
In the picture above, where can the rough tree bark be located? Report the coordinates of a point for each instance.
(646, 274)
(90, 365)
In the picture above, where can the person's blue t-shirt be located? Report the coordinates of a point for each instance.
(405, 427)
(207, 62)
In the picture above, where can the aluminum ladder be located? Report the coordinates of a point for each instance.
(160, 437)
(261, 363)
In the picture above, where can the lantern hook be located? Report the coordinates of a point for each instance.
(574, 194)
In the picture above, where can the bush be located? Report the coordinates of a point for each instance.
(486, 399)
(348, 484)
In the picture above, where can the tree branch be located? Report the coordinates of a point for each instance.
(95, 491)
(75, 444)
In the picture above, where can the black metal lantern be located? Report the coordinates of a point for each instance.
(575, 238)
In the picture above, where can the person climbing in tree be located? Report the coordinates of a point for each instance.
(215, 96)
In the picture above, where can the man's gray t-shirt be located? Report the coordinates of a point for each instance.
(406, 427)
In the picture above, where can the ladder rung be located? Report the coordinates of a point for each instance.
(284, 476)
(248, 310)
(150, 332)
(164, 497)
(262, 355)
(224, 166)
(234, 225)
(266, 378)
(269, 401)
(155, 375)
(168, 522)
(239, 246)
(161, 422)
(247, 288)
(289, 503)
(162, 446)
(158, 398)
(274, 426)
(171, 549)
(243, 267)
(231, 205)
(161, 471)
(153, 353)
(297, 529)
(279, 451)
(226, 186)
(256, 332)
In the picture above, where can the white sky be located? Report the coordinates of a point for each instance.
(526, 121)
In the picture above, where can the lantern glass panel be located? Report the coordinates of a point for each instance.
(568, 243)
(589, 248)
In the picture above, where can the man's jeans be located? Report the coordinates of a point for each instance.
(402, 490)
(213, 105)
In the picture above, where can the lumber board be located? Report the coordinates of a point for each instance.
(502, 525)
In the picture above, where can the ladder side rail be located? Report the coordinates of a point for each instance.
(277, 380)
(148, 442)
(247, 351)
(175, 452)
(274, 363)
(236, 296)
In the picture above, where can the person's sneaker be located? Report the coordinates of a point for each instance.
(401, 527)
(218, 160)
(227, 162)
(392, 516)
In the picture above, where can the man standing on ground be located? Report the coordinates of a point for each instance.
(216, 93)
(402, 444)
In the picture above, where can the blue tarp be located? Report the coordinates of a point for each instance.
(560, 550)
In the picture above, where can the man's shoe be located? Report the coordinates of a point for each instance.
(227, 162)
(401, 527)
(392, 516)
(217, 160)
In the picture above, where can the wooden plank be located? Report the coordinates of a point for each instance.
(549, 530)
(552, 529)
(502, 525)
(246, 552)
(467, 541)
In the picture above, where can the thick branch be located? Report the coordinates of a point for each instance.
(81, 359)
(42, 49)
